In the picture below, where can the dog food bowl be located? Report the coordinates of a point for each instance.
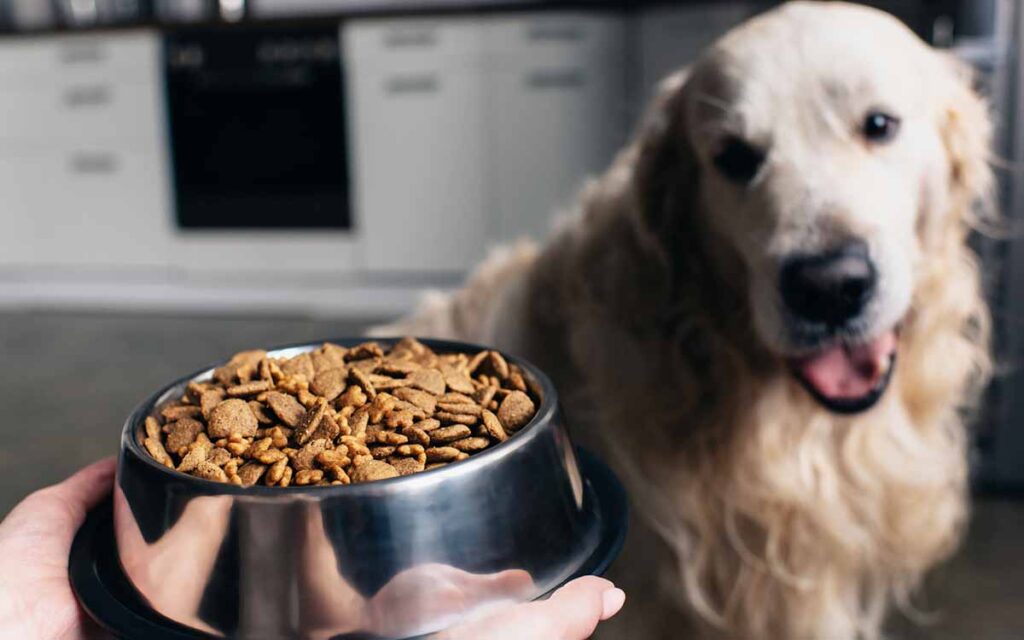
(397, 558)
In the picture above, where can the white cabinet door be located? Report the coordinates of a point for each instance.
(105, 110)
(83, 179)
(23, 178)
(403, 42)
(83, 208)
(556, 114)
(127, 56)
(82, 88)
(108, 208)
(417, 147)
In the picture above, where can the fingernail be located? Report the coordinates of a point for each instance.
(612, 599)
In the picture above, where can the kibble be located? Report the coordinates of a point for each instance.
(339, 416)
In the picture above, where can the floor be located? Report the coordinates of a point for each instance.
(70, 380)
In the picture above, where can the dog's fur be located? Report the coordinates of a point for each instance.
(758, 513)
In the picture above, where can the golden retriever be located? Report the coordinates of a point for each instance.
(766, 316)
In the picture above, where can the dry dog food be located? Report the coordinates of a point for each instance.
(336, 416)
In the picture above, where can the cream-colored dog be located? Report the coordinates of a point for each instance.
(766, 316)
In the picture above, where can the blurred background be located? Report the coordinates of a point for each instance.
(181, 179)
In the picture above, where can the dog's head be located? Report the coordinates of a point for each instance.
(827, 149)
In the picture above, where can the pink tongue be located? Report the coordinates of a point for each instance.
(846, 372)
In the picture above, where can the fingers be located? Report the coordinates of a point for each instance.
(86, 488)
(613, 599)
(62, 507)
(53, 515)
(511, 584)
(571, 613)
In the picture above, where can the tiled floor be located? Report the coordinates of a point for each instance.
(69, 380)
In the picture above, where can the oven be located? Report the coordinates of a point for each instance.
(257, 128)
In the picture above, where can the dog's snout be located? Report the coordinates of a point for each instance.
(831, 287)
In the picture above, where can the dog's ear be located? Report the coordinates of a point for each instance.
(966, 129)
(665, 170)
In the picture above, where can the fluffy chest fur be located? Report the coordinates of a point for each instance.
(758, 513)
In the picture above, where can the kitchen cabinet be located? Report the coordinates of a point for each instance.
(82, 152)
(83, 206)
(22, 178)
(109, 211)
(556, 111)
(415, 96)
(468, 132)
(106, 110)
(124, 56)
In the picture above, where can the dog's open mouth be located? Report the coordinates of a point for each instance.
(848, 378)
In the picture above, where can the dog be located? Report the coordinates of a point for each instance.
(766, 316)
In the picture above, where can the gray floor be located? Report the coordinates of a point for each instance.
(69, 380)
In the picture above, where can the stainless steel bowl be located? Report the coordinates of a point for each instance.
(392, 559)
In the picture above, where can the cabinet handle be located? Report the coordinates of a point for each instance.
(542, 79)
(82, 53)
(93, 163)
(555, 33)
(410, 39)
(412, 84)
(87, 96)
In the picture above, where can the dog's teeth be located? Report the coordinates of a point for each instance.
(882, 365)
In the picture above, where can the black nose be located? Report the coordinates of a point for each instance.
(831, 287)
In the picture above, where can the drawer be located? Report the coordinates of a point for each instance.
(405, 41)
(550, 127)
(417, 147)
(545, 34)
(23, 180)
(127, 55)
(88, 206)
(82, 111)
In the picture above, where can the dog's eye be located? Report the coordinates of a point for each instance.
(880, 127)
(739, 161)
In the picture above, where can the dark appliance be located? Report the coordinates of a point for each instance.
(257, 128)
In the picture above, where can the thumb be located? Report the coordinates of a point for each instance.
(571, 613)
(79, 493)
(87, 487)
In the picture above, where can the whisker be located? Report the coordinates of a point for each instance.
(834, 121)
(712, 101)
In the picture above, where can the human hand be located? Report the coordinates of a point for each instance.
(571, 613)
(36, 601)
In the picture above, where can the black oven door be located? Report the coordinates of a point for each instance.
(257, 128)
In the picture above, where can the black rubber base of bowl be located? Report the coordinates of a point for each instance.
(106, 595)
